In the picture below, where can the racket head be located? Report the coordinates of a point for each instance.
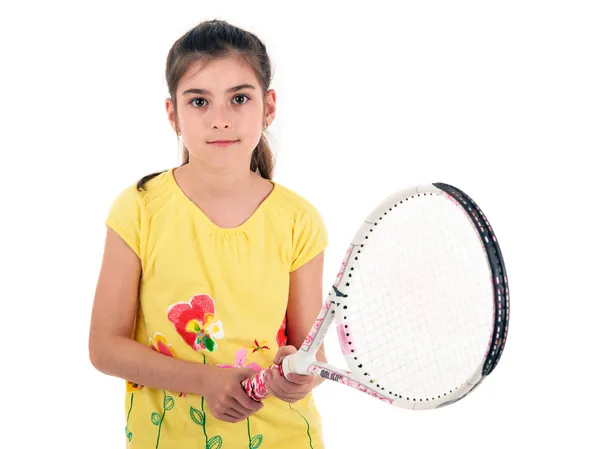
(422, 300)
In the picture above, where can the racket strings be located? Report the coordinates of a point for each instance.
(425, 323)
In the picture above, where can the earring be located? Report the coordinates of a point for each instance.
(180, 143)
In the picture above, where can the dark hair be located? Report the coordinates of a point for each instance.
(215, 39)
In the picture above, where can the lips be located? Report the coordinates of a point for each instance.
(222, 143)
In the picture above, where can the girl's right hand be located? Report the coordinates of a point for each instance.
(225, 397)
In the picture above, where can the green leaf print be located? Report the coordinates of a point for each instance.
(215, 443)
(197, 416)
(307, 425)
(209, 343)
(157, 420)
(127, 432)
(169, 403)
(256, 441)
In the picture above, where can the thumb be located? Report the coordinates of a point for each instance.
(245, 373)
(283, 352)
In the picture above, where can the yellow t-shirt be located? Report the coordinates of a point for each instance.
(217, 296)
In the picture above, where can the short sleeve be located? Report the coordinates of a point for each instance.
(124, 217)
(309, 237)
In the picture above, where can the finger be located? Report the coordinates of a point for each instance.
(276, 380)
(226, 418)
(274, 388)
(300, 379)
(227, 414)
(244, 403)
(296, 382)
(288, 391)
(233, 416)
(283, 352)
(245, 373)
(280, 394)
(245, 411)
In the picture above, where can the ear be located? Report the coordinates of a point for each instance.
(171, 113)
(270, 105)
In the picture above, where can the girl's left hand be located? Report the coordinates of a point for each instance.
(292, 390)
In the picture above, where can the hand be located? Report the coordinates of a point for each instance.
(292, 390)
(225, 397)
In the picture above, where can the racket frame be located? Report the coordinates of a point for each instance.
(304, 361)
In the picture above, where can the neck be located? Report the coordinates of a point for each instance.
(228, 182)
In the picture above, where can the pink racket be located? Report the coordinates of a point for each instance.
(421, 303)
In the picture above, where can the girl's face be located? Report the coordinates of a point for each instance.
(221, 100)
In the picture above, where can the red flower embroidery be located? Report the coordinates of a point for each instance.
(281, 334)
(259, 346)
(195, 322)
(132, 386)
(159, 344)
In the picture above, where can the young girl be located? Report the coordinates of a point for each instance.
(211, 270)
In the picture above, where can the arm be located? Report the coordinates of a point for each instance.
(113, 352)
(111, 349)
(305, 303)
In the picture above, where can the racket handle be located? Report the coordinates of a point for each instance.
(255, 386)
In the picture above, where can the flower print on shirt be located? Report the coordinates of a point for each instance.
(281, 334)
(159, 344)
(240, 362)
(195, 322)
(259, 346)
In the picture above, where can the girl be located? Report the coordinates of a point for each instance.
(211, 270)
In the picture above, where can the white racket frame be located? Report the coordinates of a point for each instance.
(305, 362)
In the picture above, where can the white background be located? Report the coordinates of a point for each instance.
(500, 99)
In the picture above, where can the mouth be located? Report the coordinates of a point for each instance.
(222, 143)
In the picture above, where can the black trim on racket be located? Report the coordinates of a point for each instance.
(499, 278)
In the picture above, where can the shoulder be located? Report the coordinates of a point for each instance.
(134, 206)
(135, 202)
(140, 195)
(297, 205)
(308, 232)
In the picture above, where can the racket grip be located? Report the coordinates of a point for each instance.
(255, 386)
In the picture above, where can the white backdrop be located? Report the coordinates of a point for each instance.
(500, 99)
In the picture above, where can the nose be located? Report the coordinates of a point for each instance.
(221, 120)
(220, 125)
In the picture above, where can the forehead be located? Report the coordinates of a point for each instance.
(218, 74)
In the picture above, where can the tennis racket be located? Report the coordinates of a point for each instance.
(421, 303)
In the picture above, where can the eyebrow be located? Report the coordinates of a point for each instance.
(231, 89)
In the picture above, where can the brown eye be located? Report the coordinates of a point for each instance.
(195, 100)
(239, 99)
